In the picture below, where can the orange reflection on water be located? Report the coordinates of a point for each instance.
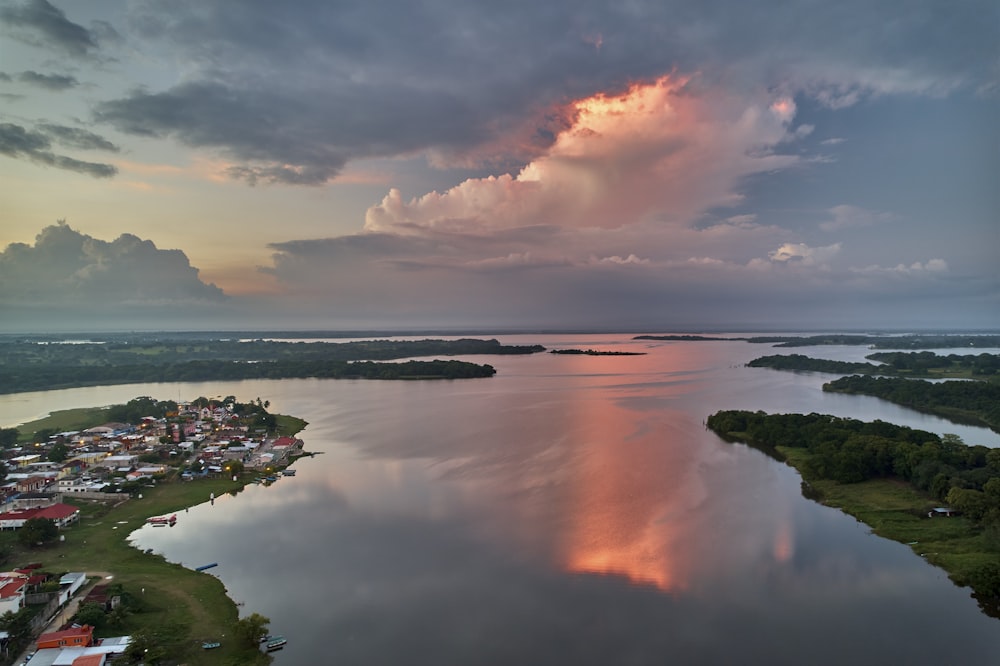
(630, 495)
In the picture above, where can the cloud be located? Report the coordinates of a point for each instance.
(74, 137)
(291, 92)
(658, 151)
(67, 273)
(48, 81)
(846, 217)
(930, 267)
(17, 142)
(43, 19)
(802, 254)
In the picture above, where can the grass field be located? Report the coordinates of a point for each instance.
(182, 608)
(897, 511)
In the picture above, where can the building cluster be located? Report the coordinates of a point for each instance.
(106, 458)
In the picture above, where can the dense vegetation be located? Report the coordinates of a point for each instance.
(800, 362)
(882, 341)
(973, 402)
(847, 451)
(30, 366)
(912, 364)
(596, 352)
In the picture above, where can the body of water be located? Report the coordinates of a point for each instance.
(570, 510)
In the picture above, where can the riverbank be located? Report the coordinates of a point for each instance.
(177, 607)
(171, 607)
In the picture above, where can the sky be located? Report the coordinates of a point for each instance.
(661, 165)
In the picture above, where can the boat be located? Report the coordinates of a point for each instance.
(210, 646)
(288, 472)
(275, 643)
(162, 520)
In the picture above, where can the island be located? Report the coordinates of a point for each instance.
(595, 352)
(934, 494)
(32, 364)
(911, 341)
(121, 467)
(974, 402)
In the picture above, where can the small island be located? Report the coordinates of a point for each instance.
(934, 494)
(178, 455)
(594, 352)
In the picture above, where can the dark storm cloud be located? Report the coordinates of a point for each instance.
(295, 90)
(18, 142)
(66, 268)
(39, 17)
(48, 81)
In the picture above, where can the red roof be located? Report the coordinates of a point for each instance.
(90, 660)
(85, 630)
(12, 589)
(54, 512)
(284, 441)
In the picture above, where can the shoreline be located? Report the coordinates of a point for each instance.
(181, 607)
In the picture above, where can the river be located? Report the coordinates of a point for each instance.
(570, 510)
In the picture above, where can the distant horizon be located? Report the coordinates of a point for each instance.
(451, 332)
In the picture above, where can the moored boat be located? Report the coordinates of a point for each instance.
(162, 520)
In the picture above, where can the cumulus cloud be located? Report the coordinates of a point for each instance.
(656, 152)
(19, 142)
(930, 267)
(802, 254)
(66, 269)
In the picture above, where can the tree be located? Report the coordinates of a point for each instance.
(91, 613)
(9, 437)
(18, 624)
(233, 468)
(58, 452)
(38, 532)
(252, 628)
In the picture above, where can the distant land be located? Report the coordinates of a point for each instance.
(35, 365)
(915, 341)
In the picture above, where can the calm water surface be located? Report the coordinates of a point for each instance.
(569, 510)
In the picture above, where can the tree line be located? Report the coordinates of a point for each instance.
(18, 379)
(972, 402)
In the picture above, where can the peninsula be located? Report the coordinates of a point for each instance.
(934, 494)
(187, 454)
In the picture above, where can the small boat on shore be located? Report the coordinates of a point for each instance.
(275, 643)
(162, 520)
(210, 646)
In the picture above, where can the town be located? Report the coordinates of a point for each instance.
(48, 481)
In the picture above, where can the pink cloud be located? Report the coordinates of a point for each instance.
(664, 151)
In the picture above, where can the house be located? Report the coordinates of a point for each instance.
(78, 636)
(61, 514)
(13, 587)
(31, 484)
(127, 462)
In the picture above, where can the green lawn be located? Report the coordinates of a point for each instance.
(182, 607)
(897, 511)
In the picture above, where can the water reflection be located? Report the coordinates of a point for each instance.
(570, 510)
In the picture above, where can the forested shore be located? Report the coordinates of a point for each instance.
(34, 366)
(897, 480)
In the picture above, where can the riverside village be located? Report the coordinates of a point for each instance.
(50, 616)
